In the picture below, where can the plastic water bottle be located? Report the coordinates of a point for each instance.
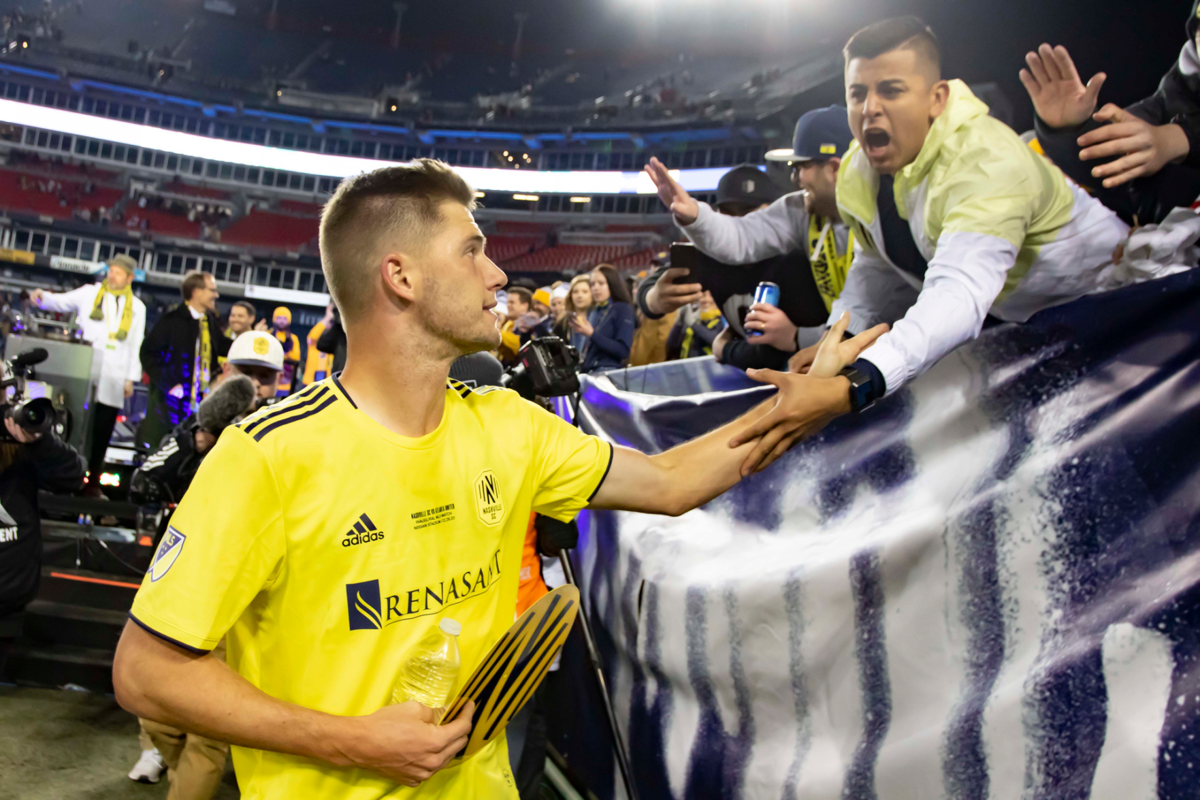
(429, 671)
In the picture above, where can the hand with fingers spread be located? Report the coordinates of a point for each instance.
(774, 326)
(668, 294)
(1142, 148)
(1058, 94)
(405, 742)
(673, 196)
(805, 403)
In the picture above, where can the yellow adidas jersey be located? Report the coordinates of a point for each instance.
(324, 546)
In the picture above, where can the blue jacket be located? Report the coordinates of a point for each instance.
(612, 337)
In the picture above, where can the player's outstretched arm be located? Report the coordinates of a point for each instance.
(694, 473)
(200, 694)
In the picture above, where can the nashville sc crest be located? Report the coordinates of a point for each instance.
(488, 502)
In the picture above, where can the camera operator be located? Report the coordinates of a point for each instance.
(257, 358)
(114, 321)
(29, 462)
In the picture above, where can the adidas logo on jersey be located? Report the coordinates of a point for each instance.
(364, 531)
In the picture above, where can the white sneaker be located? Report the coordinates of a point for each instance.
(149, 768)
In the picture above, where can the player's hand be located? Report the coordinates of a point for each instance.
(405, 743)
(673, 196)
(128, 389)
(36, 295)
(834, 354)
(20, 434)
(668, 294)
(805, 404)
(1058, 94)
(777, 330)
(1143, 148)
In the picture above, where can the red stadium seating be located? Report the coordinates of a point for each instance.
(297, 207)
(162, 223)
(502, 249)
(268, 229)
(200, 192)
(571, 256)
(34, 201)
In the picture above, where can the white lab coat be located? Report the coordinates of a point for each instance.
(119, 360)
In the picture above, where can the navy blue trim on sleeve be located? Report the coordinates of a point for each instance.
(611, 452)
(168, 639)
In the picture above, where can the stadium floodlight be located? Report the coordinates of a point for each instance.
(490, 179)
(581, 199)
(533, 198)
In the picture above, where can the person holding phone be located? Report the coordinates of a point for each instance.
(609, 326)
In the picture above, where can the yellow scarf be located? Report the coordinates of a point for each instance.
(126, 313)
(829, 268)
(201, 374)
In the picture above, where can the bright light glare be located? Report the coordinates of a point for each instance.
(530, 197)
(191, 145)
(581, 199)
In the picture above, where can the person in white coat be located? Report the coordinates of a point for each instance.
(114, 321)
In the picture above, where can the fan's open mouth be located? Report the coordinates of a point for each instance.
(876, 139)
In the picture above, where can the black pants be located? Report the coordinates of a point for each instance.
(104, 419)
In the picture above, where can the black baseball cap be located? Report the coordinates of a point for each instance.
(821, 134)
(747, 185)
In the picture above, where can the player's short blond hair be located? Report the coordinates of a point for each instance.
(375, 208)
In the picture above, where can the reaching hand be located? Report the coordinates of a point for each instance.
(128, 389)
(802, 361)
(673, 196)
(36, 295)
(1058, 94)
(405, 743)
(261, 325)
(777, 330)
(805, 404)
(834, 354)
(667, 295)
(1144, 148)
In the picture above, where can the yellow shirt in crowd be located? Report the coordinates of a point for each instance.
(317, 366)
(323, 546)
(291, 361)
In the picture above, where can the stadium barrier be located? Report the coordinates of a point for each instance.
(985, 586)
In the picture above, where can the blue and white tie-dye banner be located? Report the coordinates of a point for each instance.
(985, 587)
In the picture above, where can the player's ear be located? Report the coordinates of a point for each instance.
(398, 272)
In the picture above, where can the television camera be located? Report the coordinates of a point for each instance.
(30, 410)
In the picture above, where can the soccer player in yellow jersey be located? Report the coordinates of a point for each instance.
(323, 536)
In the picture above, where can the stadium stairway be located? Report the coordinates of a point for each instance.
(72, 627)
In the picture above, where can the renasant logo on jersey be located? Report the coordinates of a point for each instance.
(369, 609)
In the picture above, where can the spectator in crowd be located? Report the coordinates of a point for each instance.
(241, 319)
(1008, 233)
(180, 354)
(114, 321)
(694, 336)
(520, 301)
(608, 327)
(318, 365)
(260, 358)
(332, 342)
(282, 329)
(196, 763)
(1142, 161)
(29, 463)
(797, 241)
(578, 303)
(558, 308)
(650, 337)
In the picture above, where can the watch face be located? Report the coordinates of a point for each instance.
(860, 395)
